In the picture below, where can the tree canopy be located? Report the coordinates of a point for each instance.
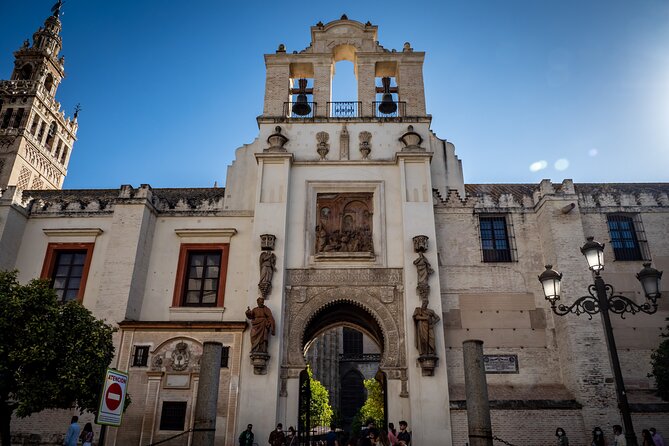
(373, 407)
(659, 360)
(52, 355)
(320, 410)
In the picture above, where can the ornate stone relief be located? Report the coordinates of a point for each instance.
(343, 143)
(365, 145)
(323, 147)
(267, 264)
(378, 292)
(276, 141)
(411, 141)
(177, 355)
(344, 223)
(180, 357)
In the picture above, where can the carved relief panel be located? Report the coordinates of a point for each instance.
(344, 223)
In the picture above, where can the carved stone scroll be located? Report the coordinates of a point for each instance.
(365, 145)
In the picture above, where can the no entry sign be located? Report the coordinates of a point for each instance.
(110, 411)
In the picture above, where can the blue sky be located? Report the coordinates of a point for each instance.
(170, 88)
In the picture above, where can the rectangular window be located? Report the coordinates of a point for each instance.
(495, 243)
(225, 357)
(66, 266)
(627, 237)
(18, 117)
(173, 416)
(141, 356)
(201, 275)
(40, 134)
(33, 127)
(352, 342)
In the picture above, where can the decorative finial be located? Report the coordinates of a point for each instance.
(319, 24)
(344, 17)
(281, 49)
(77, 109)
(56, 8)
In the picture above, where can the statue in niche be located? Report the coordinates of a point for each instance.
(424, 320)
(423, 269)
(344, 223)
(262, 324)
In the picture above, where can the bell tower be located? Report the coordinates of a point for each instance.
(36, 138)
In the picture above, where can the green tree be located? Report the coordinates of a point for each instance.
(52, 355)
(320, 410)
(373, 407)
(659, 361)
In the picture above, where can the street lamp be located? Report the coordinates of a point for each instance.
(602, 299)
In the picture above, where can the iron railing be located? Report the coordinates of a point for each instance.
(349, 109)
(360, 357)
(289, 113)
(399, 112)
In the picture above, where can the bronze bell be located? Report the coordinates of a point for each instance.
(387, 106)
(301, 107)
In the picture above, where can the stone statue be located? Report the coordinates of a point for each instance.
(262, 324)
(267, 263)
(423, 269)
(424, 319)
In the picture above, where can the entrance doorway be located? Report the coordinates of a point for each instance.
(343, 347)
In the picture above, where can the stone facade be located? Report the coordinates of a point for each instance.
(142, 245)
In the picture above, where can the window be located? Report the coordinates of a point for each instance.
(7, 118)
(352, 342)
(66, 266)
(173, 416)
(141, 356)
(225, 357)
(40, 134)
(33, 127)
(627, 237)
(18, 117)
(201, 275)
(495, 244)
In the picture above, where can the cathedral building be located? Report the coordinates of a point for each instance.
(342, 216)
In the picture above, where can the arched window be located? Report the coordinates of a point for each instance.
(64, 155)
(48, 82)
(53, 129)
(26, 72)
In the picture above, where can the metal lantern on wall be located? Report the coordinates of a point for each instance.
(594, 254)
(650, 282)
(550, 281)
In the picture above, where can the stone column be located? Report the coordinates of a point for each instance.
(476, 389)
(207, 394)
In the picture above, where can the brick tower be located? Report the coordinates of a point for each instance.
(36, 138)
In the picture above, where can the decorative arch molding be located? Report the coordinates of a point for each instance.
(377, 293)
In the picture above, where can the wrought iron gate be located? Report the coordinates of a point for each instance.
(303, 409)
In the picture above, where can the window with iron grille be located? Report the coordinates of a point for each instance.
(202, 278)
(628, 238)
(141, 356)
(173, 416)
(352, 342)
(495, 238)
(225, 357)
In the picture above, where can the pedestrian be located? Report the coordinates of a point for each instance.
(657, 438)
(72, 435)
(618, 437)
(246, 437)
(291, 437)
(404, 436)
(598, 437)
(277, 437)
(562, 439)
(87, 435)
(383, 438)
(374, 437)
(331, 437)
(369, 425)
(647, 438)
(392, 434)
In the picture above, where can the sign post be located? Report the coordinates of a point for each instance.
(112, 400)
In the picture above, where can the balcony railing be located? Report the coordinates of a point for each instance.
(289, 110)
(350, 109)
(360, 357)
(399, 111)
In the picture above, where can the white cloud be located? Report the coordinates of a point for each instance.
(538, 165)
(561, 164)
(593, 152)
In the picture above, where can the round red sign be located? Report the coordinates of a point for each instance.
(113, 396)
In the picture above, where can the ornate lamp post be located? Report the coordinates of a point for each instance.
(602, 299)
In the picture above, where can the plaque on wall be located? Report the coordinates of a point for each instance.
(177, 381)
(344, 226)
(500, 363)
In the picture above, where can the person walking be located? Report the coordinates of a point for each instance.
(246, 437)
(331, 437)
(404, 436)
(277, 437)
(598, 437)
(647, 438)
(618, 437)
(72, 435)
(392, 434)
(87, 435)
(657, 438)
(291, 437)
(562, 439)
